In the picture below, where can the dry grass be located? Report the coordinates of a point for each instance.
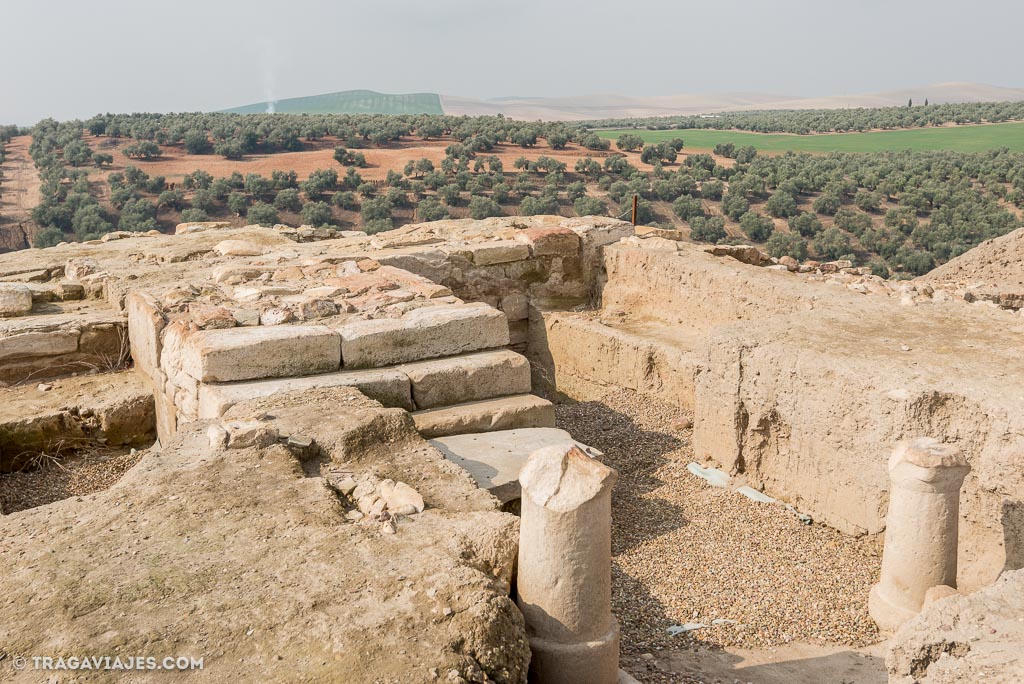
(57, 474)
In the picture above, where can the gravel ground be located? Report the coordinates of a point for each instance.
(686, 552)
(84, 472)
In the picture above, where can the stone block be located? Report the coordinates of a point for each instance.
(494, 459)
(505, 413)
(471, 377)
(237, 248)
(388, 386)
(260, 352)
(424, 333)
(199, 226)
(39, 344)
(145, 323)
(498, 252)
(556, 241)
(516, 306)
(15, 299)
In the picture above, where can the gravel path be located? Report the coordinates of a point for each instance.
(83, 473)
(686, 552)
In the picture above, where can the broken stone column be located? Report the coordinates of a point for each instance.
(921, 529)
(564, 579)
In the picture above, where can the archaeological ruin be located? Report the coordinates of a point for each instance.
(330, 456)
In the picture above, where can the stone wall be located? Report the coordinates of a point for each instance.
(804, 387)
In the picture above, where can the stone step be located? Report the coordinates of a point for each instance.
(389, 386)
(425, 333)
(494, 459)
(258, 352)
(418, 385)
(470, 377)
(504, 413)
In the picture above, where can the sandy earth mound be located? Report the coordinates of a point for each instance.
(998, 262)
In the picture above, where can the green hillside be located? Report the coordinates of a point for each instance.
(956, 138)
(350, 102)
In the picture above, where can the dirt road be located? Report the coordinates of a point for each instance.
(19, 194)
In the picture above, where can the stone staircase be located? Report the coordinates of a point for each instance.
(405, 362)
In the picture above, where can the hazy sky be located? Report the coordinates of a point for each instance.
(74, 58)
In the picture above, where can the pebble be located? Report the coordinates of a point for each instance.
(753, 572)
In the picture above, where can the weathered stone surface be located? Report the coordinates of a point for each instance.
(583, 358)
(388, 386)
(424, 333)
(497, 252)
(237, 248)
(245, 434)
(494, 459)
(400, 498)
(742, 253)
(78, 268)
(116, 408)
(199, 226)
(471, 377)
(964, 639)
(260, 352)
(516, 306)
(211, 317)
(14, 299)
(39, 344)
(505, 413)
(255, 517)
(233, 274)
(556, 241)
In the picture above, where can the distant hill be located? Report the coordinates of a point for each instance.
(349, 102)
(610, 106)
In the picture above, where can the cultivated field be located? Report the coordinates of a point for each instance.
(953, 138)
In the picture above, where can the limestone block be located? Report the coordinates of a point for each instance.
(400, 497)
(423, 333)
(498, 252)
(505, 413)
(237, 248)
(604, 234)
(555, 241)
(564, 581)
(388, 386)
(209, 317)
(199, 226)
(494, 459)
(233, 274)
(15, 299)
(39, 344)
(243, 434)
(518, 332)
(742, 253)
(471, 377)
(516, 306)
(260, 352)
(78, 268)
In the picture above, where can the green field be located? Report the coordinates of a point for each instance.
(957, 139)
(350, 102)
